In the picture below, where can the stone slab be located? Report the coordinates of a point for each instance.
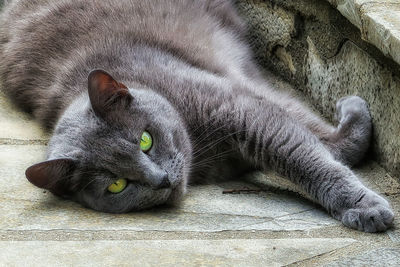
(381, 27)
(379, 22)
(232, 252)
(14, 159)
(303, 221)
(205, 209)
(254, 205)
(394, 235)
(351, 9)
(16, 125)
(376, 257)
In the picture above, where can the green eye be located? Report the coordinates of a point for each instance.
(146, 141)
(118, 186)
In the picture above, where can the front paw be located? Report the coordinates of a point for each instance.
(369, 216)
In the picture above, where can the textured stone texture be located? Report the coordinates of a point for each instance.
(233, 252)
(17, 125)
(394, 236)
(376, 257)
(379, 22)
(275, 28)
(354, 72)
(324, 56)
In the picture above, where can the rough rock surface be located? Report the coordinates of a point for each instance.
(322, 54)
(379, 22)
(375, 257)
(353, 72)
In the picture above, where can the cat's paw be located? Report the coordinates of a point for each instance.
(353, 134)
(352, 107)
(371, 214)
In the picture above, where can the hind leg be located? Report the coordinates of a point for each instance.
(349, 141)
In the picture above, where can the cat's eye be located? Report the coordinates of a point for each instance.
(118, 186)
(146, 141)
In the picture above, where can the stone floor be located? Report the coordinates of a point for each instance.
(269, 227)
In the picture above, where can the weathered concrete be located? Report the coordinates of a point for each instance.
(15, 125)
(379, 22)
(322, 54)
(354, 72)
(376, 257)
(232, 252)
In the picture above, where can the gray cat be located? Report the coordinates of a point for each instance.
(182, 100)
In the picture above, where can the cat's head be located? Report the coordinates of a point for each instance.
(116, 149)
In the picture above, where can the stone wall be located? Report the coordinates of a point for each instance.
(322, 54)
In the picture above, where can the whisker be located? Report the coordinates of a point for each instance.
(212, 159)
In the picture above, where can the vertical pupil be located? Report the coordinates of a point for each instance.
(145, 142)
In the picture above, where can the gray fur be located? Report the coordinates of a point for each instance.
(194, 86)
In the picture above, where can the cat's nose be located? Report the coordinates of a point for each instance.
(165, 183)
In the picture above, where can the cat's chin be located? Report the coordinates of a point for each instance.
(177, 194)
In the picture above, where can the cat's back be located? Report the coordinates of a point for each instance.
(178, 22)
(39, 39)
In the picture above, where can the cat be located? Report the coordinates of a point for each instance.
(145, 96)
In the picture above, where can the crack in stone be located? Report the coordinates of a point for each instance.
(227, 214)
(318, 255)
(290, 214)
(274, 220)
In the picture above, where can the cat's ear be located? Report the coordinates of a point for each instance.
(106, 94)
(53, 175)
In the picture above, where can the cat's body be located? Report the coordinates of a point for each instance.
(192, 84)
